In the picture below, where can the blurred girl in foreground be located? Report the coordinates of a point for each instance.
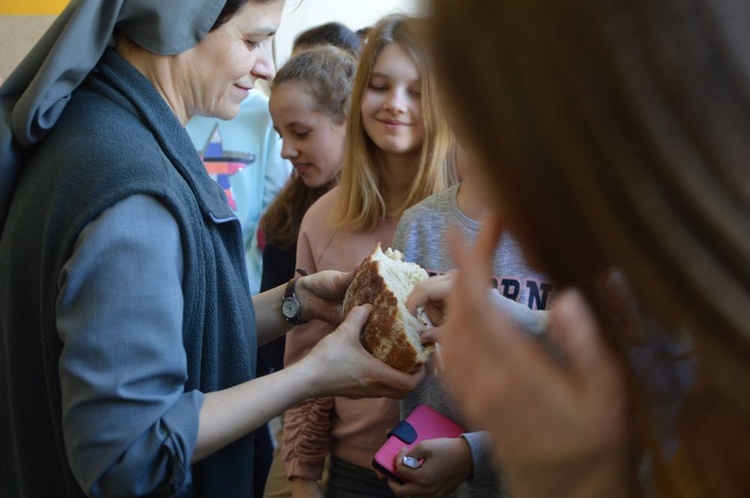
(627, 124)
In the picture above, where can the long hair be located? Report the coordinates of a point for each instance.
(328, 73)
(362, 204)
(622, 130)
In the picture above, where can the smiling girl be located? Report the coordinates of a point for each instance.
(398, 145)
(309, 103)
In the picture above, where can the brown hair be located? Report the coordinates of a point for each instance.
(622, 129)
(230, 9)
(362, 205)
(328, 73)
(330, 33)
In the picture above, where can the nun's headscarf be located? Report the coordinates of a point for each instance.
(36, 92)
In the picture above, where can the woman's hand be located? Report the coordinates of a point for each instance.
(322, 294)
(446, 463)
(340, 366)
(431, 294)
(560, 428)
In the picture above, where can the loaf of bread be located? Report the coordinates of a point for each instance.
(391, 333)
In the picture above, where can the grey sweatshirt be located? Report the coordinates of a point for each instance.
(521, 292)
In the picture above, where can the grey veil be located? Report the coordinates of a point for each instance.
(36, 92)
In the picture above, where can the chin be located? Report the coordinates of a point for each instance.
(312, 182)
(227, 113)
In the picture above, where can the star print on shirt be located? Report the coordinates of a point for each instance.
(221, 164)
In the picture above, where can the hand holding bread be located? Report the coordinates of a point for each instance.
(392, 333)
(340, 366)
(321, 295)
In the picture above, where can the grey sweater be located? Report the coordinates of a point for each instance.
(522, 293)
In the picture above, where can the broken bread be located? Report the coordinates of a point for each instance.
(391, 333)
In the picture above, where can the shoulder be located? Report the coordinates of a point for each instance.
(430, 203)
(318, 219)
(83, 139)
(430, 207)
(323, 207)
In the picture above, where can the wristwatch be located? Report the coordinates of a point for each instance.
(290, 305)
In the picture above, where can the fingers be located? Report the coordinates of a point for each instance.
(429, 336)
(410, 475)
(434, 289)
(489, 237)
(436, 364)
(392, 383)
(435, 314)
(357, 318)
(342, 282)
(374, 378)
(575, 329)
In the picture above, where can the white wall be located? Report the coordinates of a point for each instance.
(19, 33)
(302, 14)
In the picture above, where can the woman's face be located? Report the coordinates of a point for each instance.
(312, 141)
(392, 103)
(220, 71)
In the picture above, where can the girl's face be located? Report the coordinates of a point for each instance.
(392, 103)
(220, 71)
(312, 141)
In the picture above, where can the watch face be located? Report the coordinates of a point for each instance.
(289, 308)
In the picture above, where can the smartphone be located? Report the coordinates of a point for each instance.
(421, 424)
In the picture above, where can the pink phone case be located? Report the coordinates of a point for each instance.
(422, 424)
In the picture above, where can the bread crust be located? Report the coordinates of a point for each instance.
(384, 335)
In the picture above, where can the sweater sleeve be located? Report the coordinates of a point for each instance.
(307, 425)
(480, 445)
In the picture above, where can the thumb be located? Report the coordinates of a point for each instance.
(343, 281)
(357, 318)
(575, 329)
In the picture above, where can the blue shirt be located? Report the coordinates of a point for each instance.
(123, 366)
(249, 139)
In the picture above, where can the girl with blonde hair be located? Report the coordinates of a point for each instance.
(398, 144)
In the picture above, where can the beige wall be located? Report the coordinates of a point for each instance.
(302, 14)
(17, 35)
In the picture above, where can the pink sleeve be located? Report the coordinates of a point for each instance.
(307, 425)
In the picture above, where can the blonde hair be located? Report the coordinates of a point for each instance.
(361, 204)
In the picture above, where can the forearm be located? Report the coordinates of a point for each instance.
(270, 323)
(232, 413)
(305, 488)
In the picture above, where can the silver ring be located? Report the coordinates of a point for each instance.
(410, 462)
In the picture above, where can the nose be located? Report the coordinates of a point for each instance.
(264, 67)
(395, 102)
(288, 151)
